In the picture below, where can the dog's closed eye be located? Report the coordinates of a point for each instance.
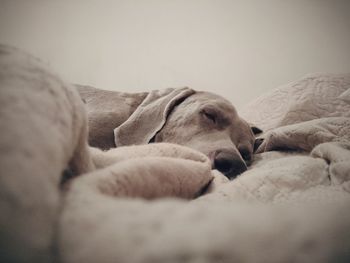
(209, 115)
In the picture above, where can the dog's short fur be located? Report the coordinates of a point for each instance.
(200, 120)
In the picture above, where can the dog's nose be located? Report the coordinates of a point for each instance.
(229, 163)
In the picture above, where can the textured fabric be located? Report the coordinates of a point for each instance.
(42, 129)
(314, 96)
(140, 205)
(288, 207)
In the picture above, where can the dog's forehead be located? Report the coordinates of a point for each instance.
(207, 98)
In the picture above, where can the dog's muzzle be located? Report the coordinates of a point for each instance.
(228, 163)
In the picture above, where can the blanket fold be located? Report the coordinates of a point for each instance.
(183, 172)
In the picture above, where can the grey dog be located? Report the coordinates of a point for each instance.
(200, 120)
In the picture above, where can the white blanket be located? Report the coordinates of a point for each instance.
(288, 207)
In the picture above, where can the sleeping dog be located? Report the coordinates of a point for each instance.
(200, 120)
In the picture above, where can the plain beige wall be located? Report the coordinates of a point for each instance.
(238, 49)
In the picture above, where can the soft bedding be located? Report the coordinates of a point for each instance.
(292, 205)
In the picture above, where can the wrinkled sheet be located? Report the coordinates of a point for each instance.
(292, 205)
(312, 97)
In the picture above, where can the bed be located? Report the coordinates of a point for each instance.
(292, 205)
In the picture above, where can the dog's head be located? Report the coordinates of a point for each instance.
(210, 124)
(200, 120)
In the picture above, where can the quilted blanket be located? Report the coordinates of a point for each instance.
(292, 205)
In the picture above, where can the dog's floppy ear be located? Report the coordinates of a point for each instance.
(150, 116)
(257, 143)
(256, 131)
